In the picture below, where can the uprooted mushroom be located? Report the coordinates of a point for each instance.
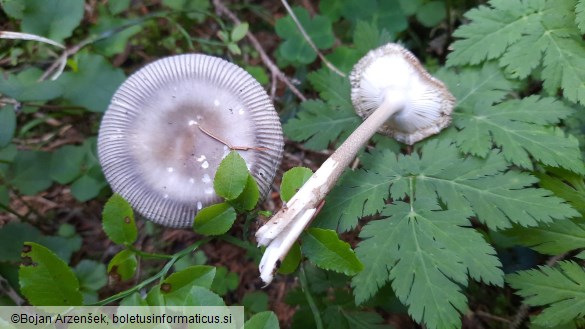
(396, 96)
(170, 124)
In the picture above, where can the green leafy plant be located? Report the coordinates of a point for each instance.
(485, 167)
(427, 234)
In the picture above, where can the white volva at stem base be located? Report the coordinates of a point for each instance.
(283, 229)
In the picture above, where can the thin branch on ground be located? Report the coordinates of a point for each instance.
(55, 70)
(309, 40)
(491, 317)
(222, 9)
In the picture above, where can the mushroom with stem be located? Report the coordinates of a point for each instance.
(170, 124)
(398, 97)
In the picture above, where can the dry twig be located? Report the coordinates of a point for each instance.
(222, 9)
(309, 40)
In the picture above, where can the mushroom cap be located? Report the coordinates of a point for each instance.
(393, 71)
(153, 150)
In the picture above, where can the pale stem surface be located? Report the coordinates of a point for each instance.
(310, 195)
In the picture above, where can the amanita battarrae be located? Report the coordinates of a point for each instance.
(170, 124)
(398, 97)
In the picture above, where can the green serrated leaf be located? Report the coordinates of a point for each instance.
(427, 258)
(498, 197)
(566, 185)
(562, 236)
(560, 289)
(500, 25)
(231, 176)
(358, 195)
(176, 289)
(123, 265)
(580, 15)
(367, 37)
(552, 239)
(519, 128)
(332, 88)
(295, 48)
(263, 320)
(318, 125)
(248, 199)
(93, 84)
(118, 221)
(215, 219)
(45, 279)
(344, 58)
(324, 249)
(474, 87)
(239, 32)
(292, 180)
(509, 27)
(7, 125)
(45, 17)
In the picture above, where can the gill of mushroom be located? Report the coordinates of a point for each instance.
(170, 124)
(398, 97)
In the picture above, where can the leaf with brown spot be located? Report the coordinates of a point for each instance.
(45, 279)
(122, 266)
(118, 221)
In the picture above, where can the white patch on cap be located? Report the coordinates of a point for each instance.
(205, 165)
(166, 196)
(192, 180)
(216, 102)
(209, 190)
(170, 169)
(206, 179)
(193, 122)
(201, 158)
(241, 111)
(199, 205)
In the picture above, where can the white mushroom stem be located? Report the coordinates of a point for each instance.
(280, 232)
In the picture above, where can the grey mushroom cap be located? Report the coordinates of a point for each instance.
(155, 144)
(393, 70)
